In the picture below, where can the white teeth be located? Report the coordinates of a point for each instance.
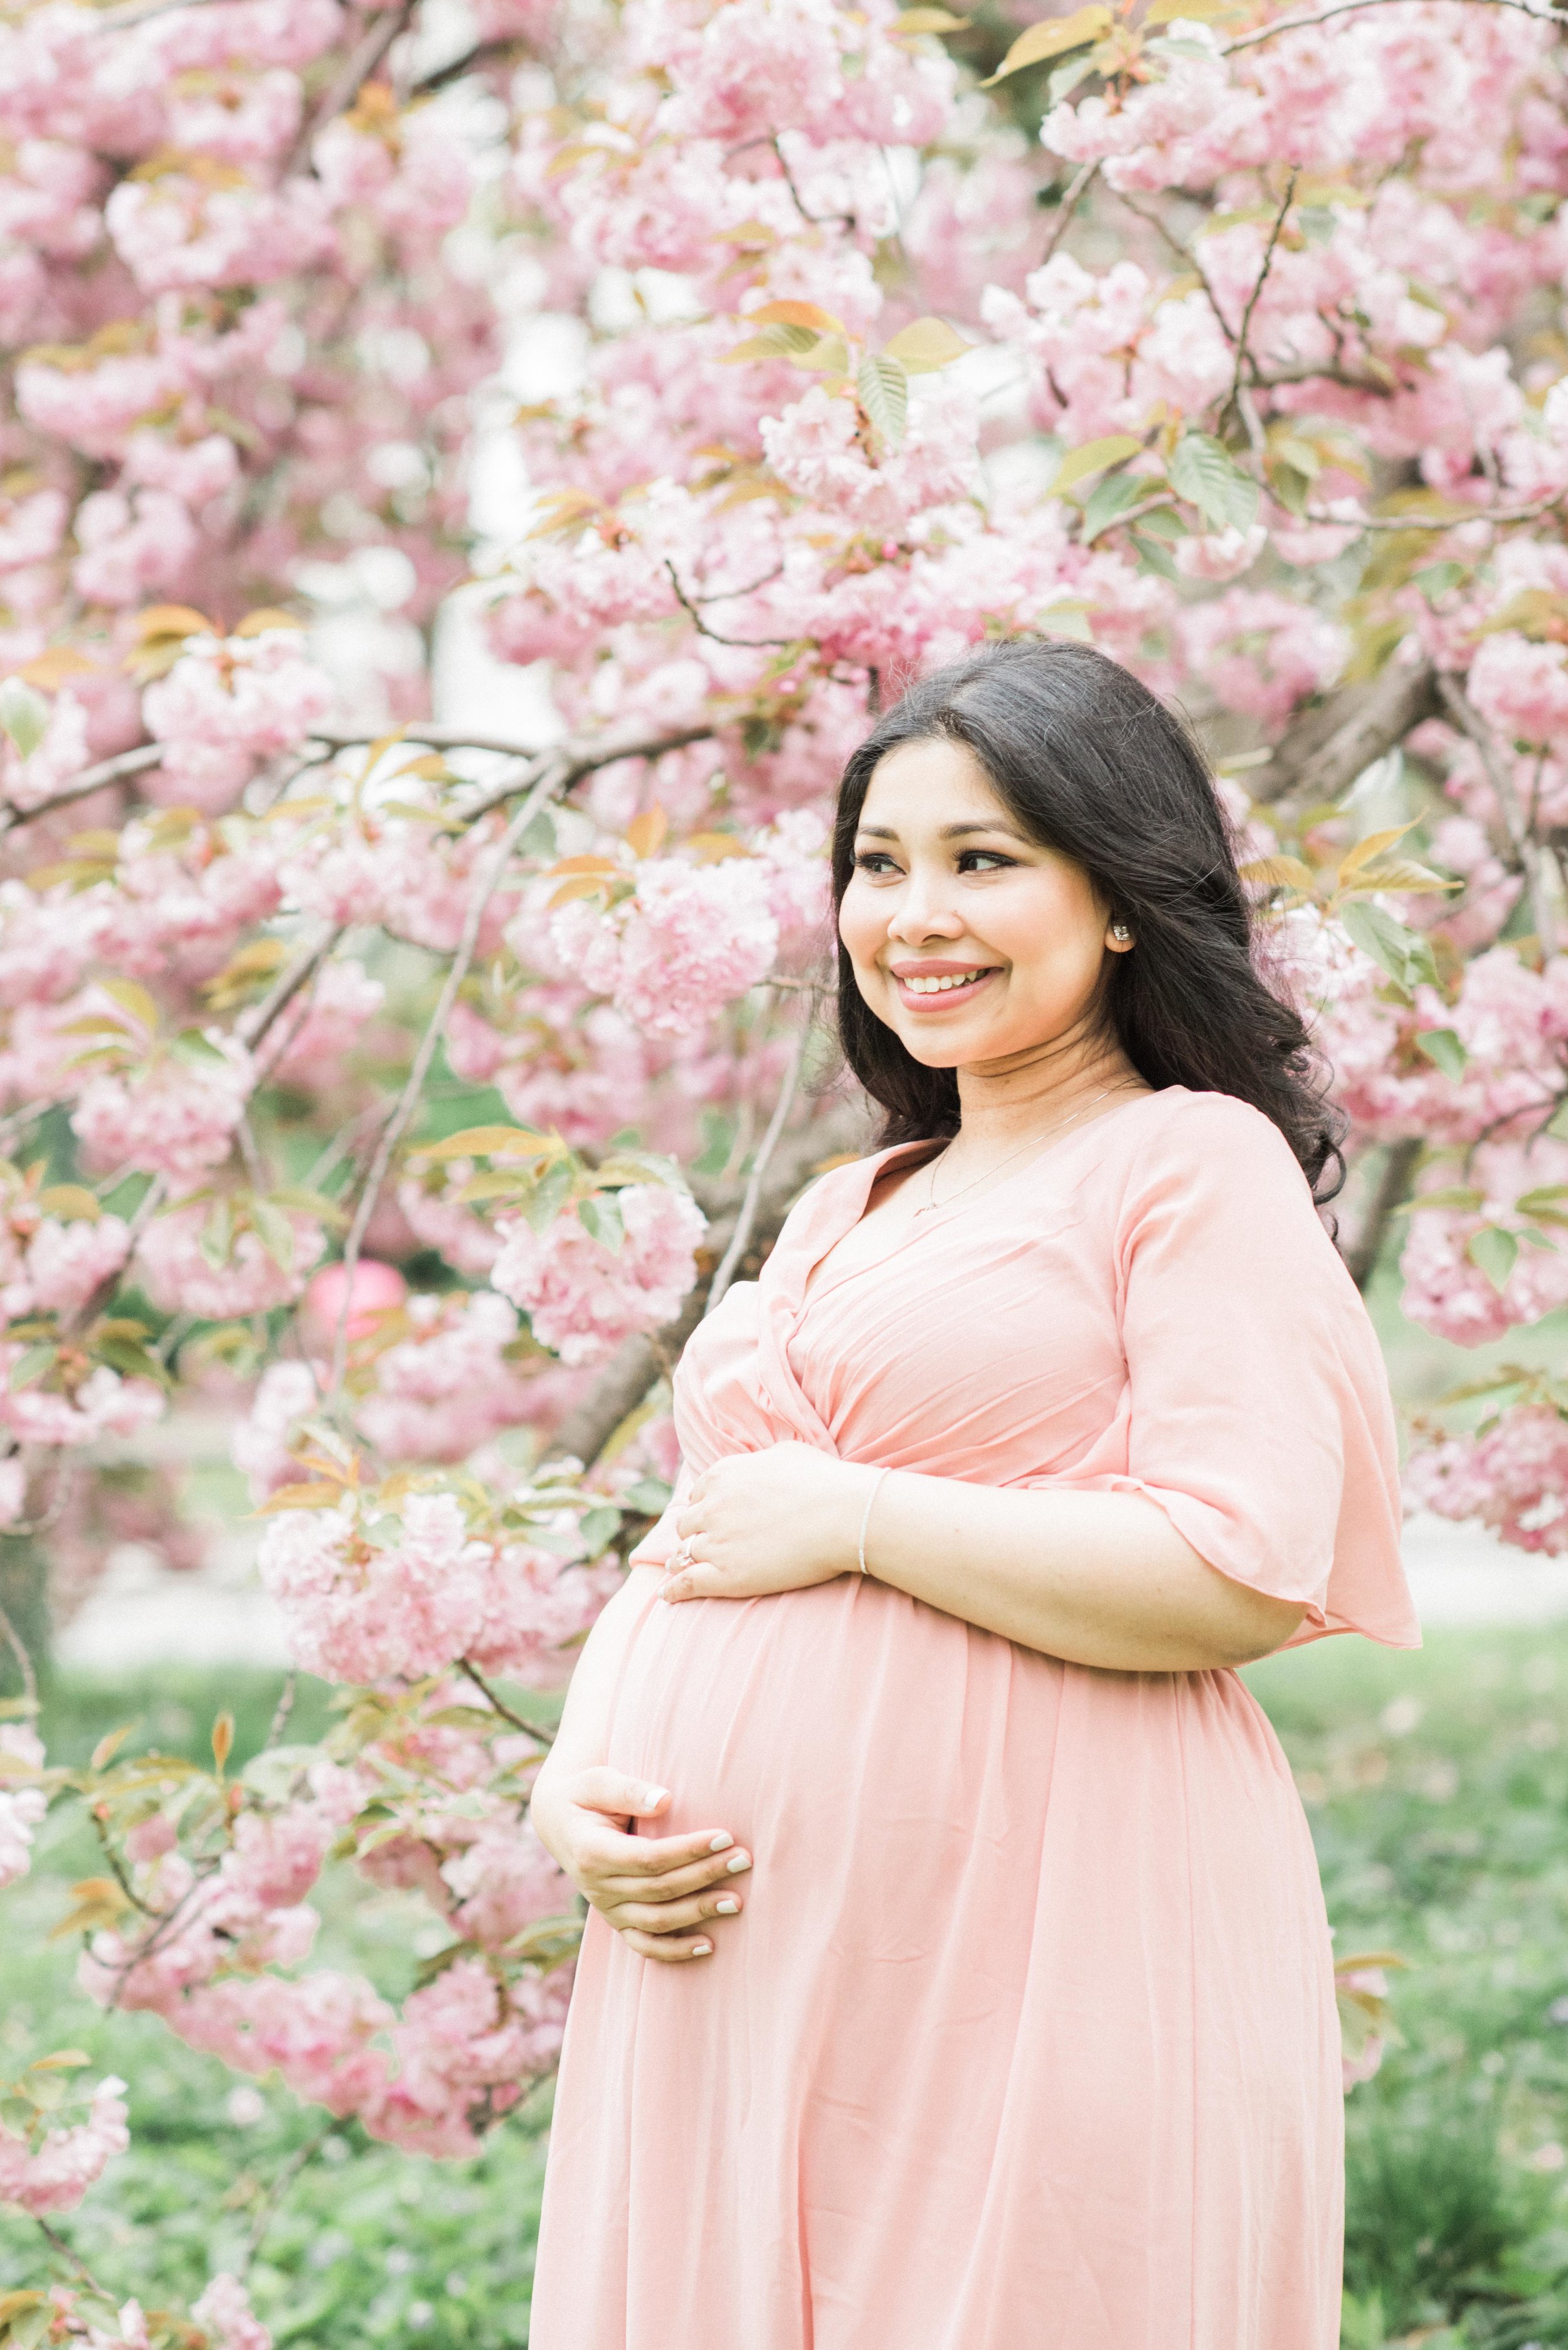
(937, 986)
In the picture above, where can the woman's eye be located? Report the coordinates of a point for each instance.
(984, 861)
(875, 861)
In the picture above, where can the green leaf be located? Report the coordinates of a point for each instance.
(1066, 79)
(1166, 523)
(599, 1528)
(599, 1214)
(883, 389)
(1050, 38)
(1442, 1047)
(1207, 476)
(32, 1365)
(23, 714)
(1493, 1251)
(197, 1051)
(1435, 579)
(275, 1232)
(925, 346)
(1093, 457)
(1405, 955)
(549, 1198)
(217, 1236)
(650, 1495)
(1153, 557)
(1109, 498)
(1453, 1195)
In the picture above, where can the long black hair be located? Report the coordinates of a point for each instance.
(1090, 763)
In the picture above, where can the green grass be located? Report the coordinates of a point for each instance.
(1438, 1789)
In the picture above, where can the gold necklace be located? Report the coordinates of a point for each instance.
(1036, 1142)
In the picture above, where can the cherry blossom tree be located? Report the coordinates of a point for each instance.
(409, 1082)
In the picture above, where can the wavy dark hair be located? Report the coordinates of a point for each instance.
(1090, 763)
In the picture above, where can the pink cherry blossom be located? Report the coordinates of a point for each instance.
(1512, 1476)
(581, 1296)
(21, 1806)
(224, 2311)
(405, 1601)
(175, 1263)
(691, 939)
(173, 1117)
(56, 2174)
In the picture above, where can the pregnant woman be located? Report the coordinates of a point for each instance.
(956, 1975)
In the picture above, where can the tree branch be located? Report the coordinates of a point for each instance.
(1350, 7)
(1262, 280)
(92, 779)
(1077, 188)
(1470, 721)
(1321, 756)
(253, 1026)
(19, 1647)
(533, 1729)
(473, 60)
(1361, 1257)
(637, 1365)
(362, 63)
(488, 882)
(739, 1238)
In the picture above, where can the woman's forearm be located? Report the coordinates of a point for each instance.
(1099, 1579)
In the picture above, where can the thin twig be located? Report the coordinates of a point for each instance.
(266, 2210)
(815, 220)
(19, 1647)
(283, 1708)
(533, 1729)
(117, 1870)
(69, 2253)
(745, 644)
(356, 72)
(739, 1239)
(1184, 253)
(1469, 722)
(1077, 188)
(489, 880)
(482, 53)
(12, 1126)
(1263, 279)
(253, 1024)
(92, 779)
(1496, 515)
(1350, 7)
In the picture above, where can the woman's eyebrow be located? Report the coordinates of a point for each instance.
(948, 832)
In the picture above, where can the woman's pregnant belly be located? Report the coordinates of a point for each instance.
(1012, 1926)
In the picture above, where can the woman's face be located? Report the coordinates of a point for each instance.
(973, 941)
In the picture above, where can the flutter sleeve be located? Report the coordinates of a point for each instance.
(1259, 1413)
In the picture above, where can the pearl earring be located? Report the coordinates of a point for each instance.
(1119, 930)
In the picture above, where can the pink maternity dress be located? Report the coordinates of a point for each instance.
(1025, 2039)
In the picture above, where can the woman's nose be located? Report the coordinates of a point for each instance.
(924, 912)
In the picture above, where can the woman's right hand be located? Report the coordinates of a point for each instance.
(659, 1893)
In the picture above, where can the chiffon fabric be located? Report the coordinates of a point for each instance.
(1025, 2039)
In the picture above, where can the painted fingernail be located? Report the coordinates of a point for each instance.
(727, 1908)
(721, 1842)
(701, 1950)
(652, 1795)
(742, 1860)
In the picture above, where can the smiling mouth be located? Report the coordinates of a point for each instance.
(949, 983)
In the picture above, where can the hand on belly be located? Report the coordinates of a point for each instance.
(658, 1893)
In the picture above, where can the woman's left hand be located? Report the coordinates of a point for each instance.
(773, 1520)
